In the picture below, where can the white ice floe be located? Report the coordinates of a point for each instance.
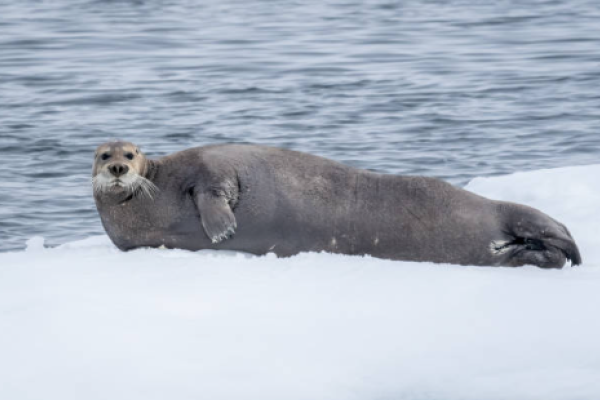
(86, 321)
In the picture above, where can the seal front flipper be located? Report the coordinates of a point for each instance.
(217, 217)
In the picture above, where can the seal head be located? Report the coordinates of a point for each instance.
(120, 170)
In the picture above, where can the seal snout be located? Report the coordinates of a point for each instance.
(118, 169)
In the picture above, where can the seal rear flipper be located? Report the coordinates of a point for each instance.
(217, 217)
(537, 239)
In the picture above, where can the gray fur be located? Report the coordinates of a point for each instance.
(260, 199)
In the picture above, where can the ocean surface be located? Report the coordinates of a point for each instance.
(453, 89)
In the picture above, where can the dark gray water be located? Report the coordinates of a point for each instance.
(453, 89)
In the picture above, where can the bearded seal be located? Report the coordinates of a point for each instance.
(259, 199)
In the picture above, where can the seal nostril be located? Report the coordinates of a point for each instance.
(118, 169)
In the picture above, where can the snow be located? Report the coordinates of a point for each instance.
(86, 321)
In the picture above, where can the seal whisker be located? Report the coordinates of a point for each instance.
(143, 187)
(99, 184)
(145, 190)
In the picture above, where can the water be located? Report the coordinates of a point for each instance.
(453, 89)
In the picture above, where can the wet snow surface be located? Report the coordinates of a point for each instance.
(86, 321)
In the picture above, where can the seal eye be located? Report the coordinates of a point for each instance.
(129, 156)
(105, 156)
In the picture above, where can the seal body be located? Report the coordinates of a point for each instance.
(260, 199)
